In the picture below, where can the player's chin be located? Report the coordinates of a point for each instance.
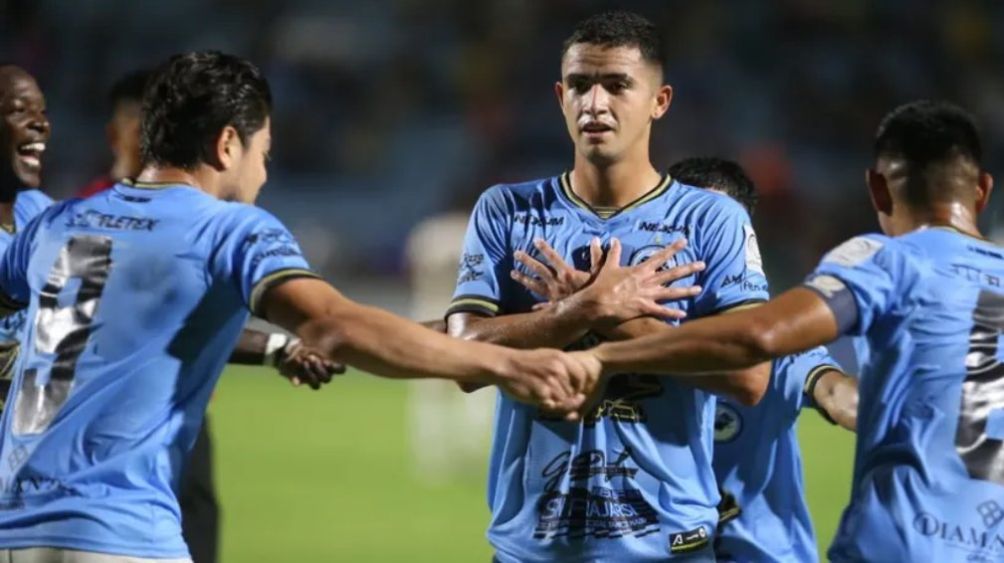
(30, 176)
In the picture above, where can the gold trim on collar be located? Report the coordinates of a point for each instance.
(608, 212)
(149, 185)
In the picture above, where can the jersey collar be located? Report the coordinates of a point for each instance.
(605, 213)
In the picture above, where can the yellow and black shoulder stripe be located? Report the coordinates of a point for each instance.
(473, 304)
(271, 280)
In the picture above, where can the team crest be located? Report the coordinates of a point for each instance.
(728, 423)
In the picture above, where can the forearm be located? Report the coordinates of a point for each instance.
(836, 394)
(250, 348)
(380, 343)
(746, 386)
(557, 326)
(795, 321)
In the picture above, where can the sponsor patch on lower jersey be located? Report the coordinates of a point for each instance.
(686, 542)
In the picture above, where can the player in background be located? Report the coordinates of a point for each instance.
(135, 297)
(634, 480)
(448, 431)
(125, 99)
(24, 134)
(927, 298)
(756, 459)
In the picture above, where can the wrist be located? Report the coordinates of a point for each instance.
(275, 349)
(583, 309)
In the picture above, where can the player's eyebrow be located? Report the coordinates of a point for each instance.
(594, 77)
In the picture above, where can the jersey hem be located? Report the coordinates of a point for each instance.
(59, 542)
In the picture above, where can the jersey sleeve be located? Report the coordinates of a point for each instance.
(861, 280)
(734, 273)
(15, 293)
(486, 260)
(257, 253)
(793, 375)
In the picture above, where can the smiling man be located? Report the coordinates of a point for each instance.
(633, 481)
(24, 133)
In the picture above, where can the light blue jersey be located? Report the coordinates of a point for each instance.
(27, 205)
(757, 461)
(634, 481)
(929, 464)
(135, 299)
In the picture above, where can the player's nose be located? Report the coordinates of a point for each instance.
(597, 100)
(39, 123)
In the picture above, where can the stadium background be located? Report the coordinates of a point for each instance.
(390, 111)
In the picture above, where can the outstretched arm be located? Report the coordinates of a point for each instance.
(797, 320)
(384, 344)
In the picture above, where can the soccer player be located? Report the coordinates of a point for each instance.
(634, 480)
(122, 132)
(135, 298)
(756, 459)
(27, 132)
(24, 133)
(926, 296)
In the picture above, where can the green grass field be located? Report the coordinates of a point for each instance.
(324, 476)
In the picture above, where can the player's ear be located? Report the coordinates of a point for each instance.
(559, 93)
(112, 136)
(984, 186)
(878, 190)
(663, 99)
(228, 145)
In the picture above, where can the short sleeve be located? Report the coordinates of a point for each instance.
(257, 253)
(861, 280)
(792, 374)
(485, 260)
(15, 292)
(734, 274)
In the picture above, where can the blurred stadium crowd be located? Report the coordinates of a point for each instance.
(412, 107)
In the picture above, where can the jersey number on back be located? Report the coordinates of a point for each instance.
(63, 330)
(979, 439)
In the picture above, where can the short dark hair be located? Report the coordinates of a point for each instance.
(719, 174)
(191, 98)
(620, 29)
(128, 88)
(925, 131)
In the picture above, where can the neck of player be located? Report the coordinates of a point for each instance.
(956, 216)
(614, 184)
(201, 177)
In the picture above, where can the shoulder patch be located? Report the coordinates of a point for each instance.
(754, 261)
(854, 251)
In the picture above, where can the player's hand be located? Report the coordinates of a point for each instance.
(553, 381)
(595, 381)
(554, 279)
(301, 364)
(621, 293)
